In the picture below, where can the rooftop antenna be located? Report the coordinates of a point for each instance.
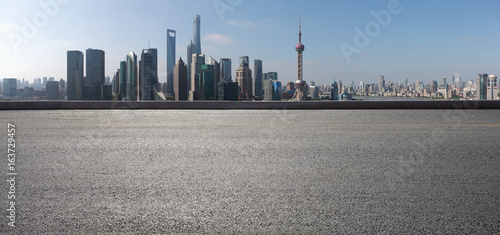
(149, 44)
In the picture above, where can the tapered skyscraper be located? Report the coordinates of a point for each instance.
(300, 85)
(196, 34)
(170, 60)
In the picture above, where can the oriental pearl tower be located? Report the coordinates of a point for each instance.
(300, 85)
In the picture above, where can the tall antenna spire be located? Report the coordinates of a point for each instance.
(300, 29)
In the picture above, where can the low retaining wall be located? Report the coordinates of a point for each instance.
(65, 105)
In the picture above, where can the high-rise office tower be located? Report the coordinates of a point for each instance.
(52, 90)
(180, 81)
(457, 80)
(257, 81)
(148, 73)
(277, 90)
(381, 84)
(492, 89)
(272, 76)
(300, 84)
(225, 70)
(189, 61)
(268, 90)
(94, 73)
(171, 35)
(207, 79)
(335, 91)
(197, 60)
(228, 91)
(123, 80)
(74, 75)
(197, 34)
(482, 82)
(132, 83)
(442, 84)
(216, 71)
(9, 87)
(244, 80)
(244, 59)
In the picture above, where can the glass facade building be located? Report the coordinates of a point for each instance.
(225, 70)
(257, 78)
(335, 91)
(131, 76)
(74, 75)
(483, 86)
(180, 81)
(171, 35)
(148, 74)
(95, 65)
(272, 76)
(277, 90)
(228, 91)
(9, 87)
(207, 81)
(244, 59)
(197, 34)
(122, 93)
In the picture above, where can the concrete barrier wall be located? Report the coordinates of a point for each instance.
(68, 105)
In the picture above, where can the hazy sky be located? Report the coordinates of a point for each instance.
(422, 40)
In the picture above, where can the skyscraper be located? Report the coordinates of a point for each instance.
(74, 74)
(225, 70)
(300, 84)
(381, 84)
(197, 60)
(9, 87)
(197, 34)
(458, 80)
(189, 61)
(206, 87)
(335, 91)
(52, 90)
(171, 35)
(244, 80)
(244, 59)
(257, 82)
(442, 84)
(132, 77)
(148, 74)
(272, 76)
(123, 80)
(216, 71)
(492, 93)
(180, 81)
(95, 73)
(483, 86)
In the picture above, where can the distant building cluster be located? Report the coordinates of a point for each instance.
(193, 78)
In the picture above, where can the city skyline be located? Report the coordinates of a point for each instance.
(418, 40)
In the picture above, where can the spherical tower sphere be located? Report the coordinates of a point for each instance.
(300, 47)
(300, 83)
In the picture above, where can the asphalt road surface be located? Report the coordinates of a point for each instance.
(258, 172)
